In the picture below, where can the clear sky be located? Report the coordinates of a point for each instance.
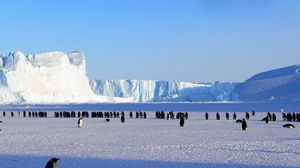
(180, 40)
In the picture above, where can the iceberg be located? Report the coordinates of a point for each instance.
(46, 78)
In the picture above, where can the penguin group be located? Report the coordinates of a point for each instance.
(269, 117)
(291, 116)
(181, 116)
(36, 114)
(141, 115)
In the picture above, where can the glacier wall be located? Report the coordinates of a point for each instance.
(60, 78)
(158, 91)
(46, 78)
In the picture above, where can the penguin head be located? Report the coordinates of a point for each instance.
(54, 159)
(52, 163)
(243, 119)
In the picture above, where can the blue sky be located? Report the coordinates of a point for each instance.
(180, 40)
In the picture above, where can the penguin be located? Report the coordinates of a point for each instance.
(283, 116)
(206, 116)
(247, 115)
(253, 112)
(168, 116)
(274, 117)
(181, 122)
(234, 116)
(227, 116)
(80, 122)
(218, 116)
(107, 120)
(186, 115)
(122, 118)
(52, 163)
(244, 124)
(288, 126)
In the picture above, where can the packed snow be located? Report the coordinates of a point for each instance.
(31, 142)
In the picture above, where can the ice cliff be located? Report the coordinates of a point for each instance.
(159, 91)
(46, 78)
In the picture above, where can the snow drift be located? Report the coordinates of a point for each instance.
(53, 77)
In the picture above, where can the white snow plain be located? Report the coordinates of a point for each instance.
(31, 142)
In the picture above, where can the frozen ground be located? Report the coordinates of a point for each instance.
(31, 142)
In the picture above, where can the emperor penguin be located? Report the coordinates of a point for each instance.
(80, 122)
(181, 122)
(52, 163)
(244, 124)
(288, 126)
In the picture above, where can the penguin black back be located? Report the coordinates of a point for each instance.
(227, 116)
(181, 122)
(206, 116)
(234, 116)
(244, 124)
(288, 126)
(122, 118)
(218, 116)
(52, 163)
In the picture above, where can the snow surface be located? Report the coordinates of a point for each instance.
(47, 78)
(31, 142)
(159, 91)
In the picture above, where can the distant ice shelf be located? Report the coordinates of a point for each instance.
(160, 91)
(60, 78)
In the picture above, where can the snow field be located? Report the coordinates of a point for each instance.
(31, 142)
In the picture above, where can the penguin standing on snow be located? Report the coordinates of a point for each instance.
(206, 116)
(244, 124)
(122, 118)
(52, 163)
(80, 122)
(181, 122)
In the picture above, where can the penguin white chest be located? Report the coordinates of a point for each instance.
(80, 123)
